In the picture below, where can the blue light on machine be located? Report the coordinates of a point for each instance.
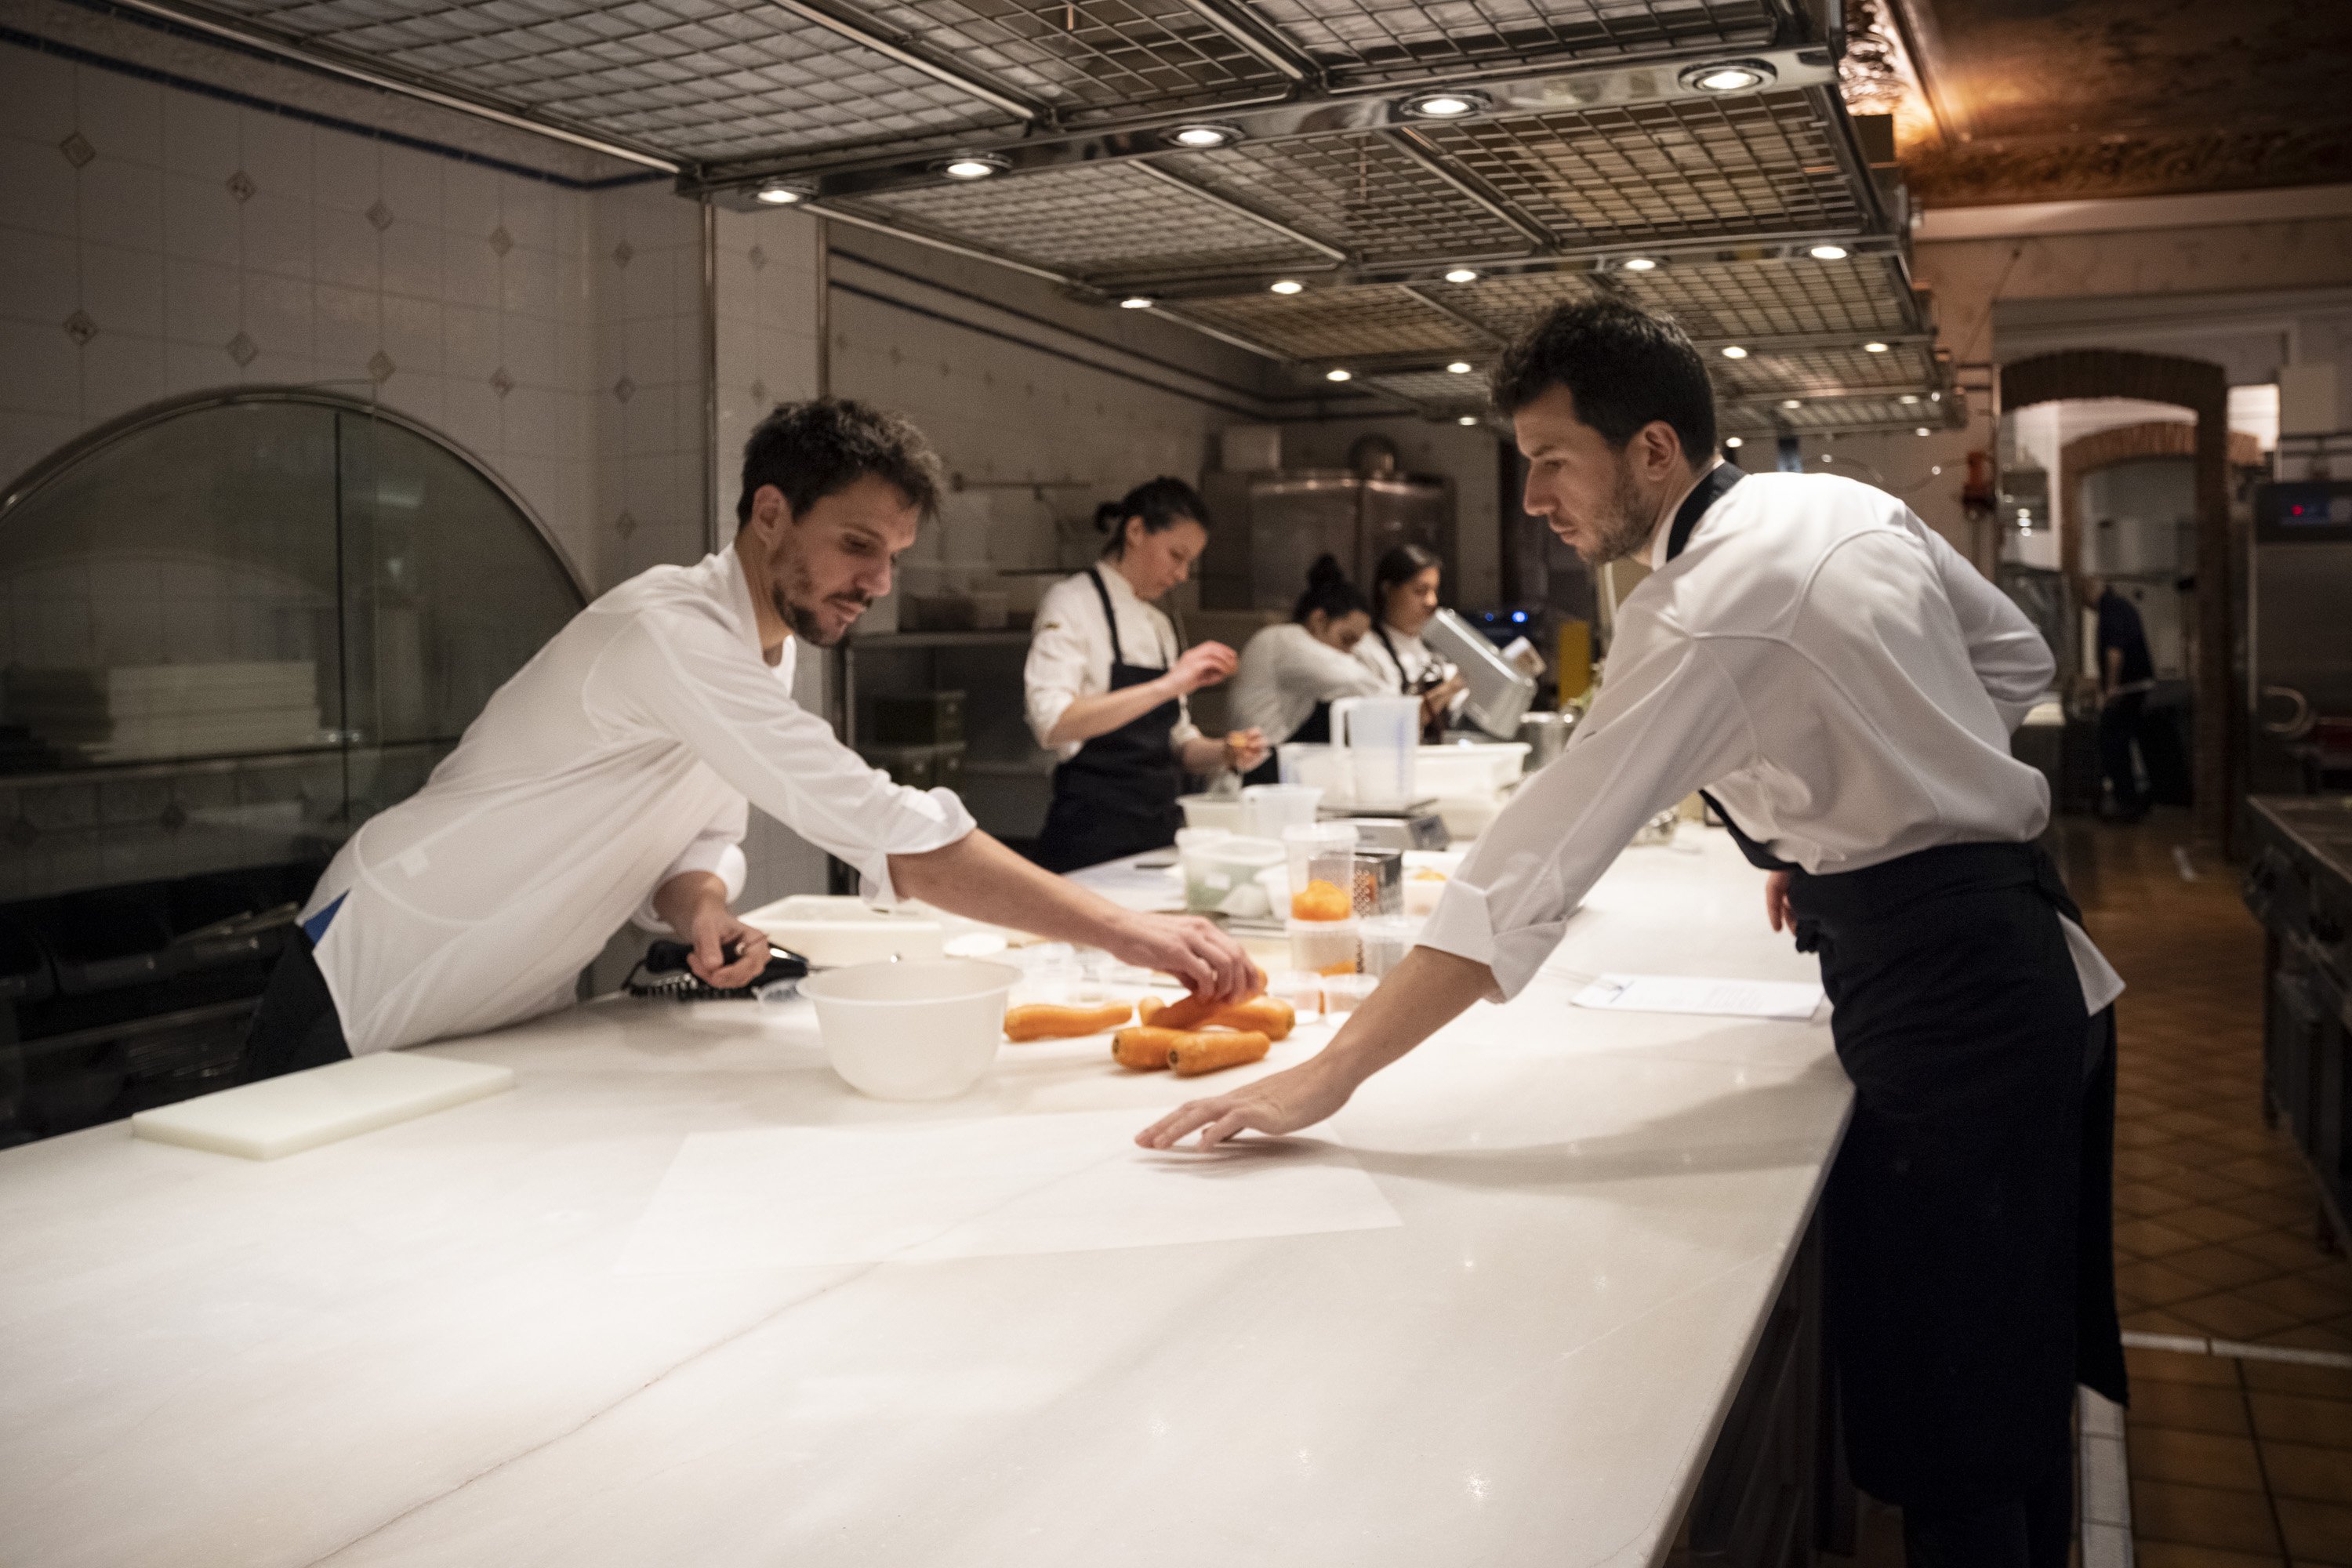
(1519, 618)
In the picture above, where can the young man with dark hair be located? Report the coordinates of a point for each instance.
(1843, 685)
(612, 778)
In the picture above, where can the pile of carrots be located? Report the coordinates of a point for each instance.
(1191, 1037)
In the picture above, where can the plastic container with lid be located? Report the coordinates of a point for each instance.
(1324, 947)
(1343, 994)
(1320, 851)
(1268, 811)
(1221, 873)
(1385, 941)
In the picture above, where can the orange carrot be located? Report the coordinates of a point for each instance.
(1268, 1016)
(1039, 1021)
(1145, 1050)
(1193, 1054)
(1192, 1012)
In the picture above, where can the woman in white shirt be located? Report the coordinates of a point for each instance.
(1291, 674)
(1107, 686)
(1404, 597)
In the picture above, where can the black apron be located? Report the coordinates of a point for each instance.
(1117, 796)
(1433, 727)
(1316, 731)
(1969, 1260)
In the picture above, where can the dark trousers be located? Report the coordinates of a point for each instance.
(2118, 729)
(297, 1026)
(2032, 1530)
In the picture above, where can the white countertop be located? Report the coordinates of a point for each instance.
(418, 1346)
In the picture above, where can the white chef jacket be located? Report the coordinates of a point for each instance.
(1824, 664)
(623, 755)
(1403, 674)
(1285, 671)
(1070, 652)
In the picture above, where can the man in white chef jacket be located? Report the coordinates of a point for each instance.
(1843, 685)
(611, 778)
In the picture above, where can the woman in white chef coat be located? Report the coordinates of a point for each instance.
(1106, 685)
(1291, 674)
(612, 778)
(1404, 597)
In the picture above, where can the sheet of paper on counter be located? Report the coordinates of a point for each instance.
(1786, 999)
(787, 1197)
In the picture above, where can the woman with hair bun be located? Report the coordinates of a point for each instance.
(1404, 597)
(1291, 674)
(1107, 686)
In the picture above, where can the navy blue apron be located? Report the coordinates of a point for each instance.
(1314, 731)
(1117, 796)
(1970, 1258)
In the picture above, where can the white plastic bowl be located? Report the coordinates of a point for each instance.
(925, 1029)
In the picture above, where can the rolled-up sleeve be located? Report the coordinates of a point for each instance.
(694, 682)
(718, 849)
(1057, 671)
(1668, 724)
(2005, 649)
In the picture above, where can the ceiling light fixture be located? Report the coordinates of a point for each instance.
(777, 194)
(1462, 275)
(1136, 302)
(1446, 105)
(1733, 350)
(1338, 375)
(1459, 367)
(1639, 264)
(1734, 442)
(1201, 138)
(1285, 286)
(1908, 398)
(1874, 348)
(972, 166)
(1467, 419)
(1730, 75)
(1792, 403)
(1924, 431)
(1827, 253)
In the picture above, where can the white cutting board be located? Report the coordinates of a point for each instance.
(303, 1109)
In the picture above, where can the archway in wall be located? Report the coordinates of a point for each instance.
(2202, 388)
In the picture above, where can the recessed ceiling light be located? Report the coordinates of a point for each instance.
(1639, 264)
(777, 194)
(1924, 431)
(1935, 397)
(1733, 350)
(1285, 286)
(1734, 442)
(1459, 367)
(1874, 348)
(1792, 403)
(1731, 75)
(1467, 419)
(1338, 375)
(1907, 398)
(1462, 275)
(1136, 302)
(1935, 469)
(2024, 512)
(1446, 105)
(1201, 137)
(1827, 253)
(972, 166)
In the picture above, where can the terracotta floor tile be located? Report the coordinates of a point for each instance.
(2138, 1237)
(2289, 1247)
(2287, 1210)
(2159, 1284)
(2301, 1418)
(2143, 1164)
(2153, 1320)
(2195, 1458)
(2307, 1298)
(2222, 1267)
(2300, 1470)
(2211, 1221)
(2193, 1407)
(2265, 1173)
(2288, 1378)
(2336, 1336)
(2316, 1532)
(2208, 1186)
(2227, 1315)
(2203, 1516)
(2180, 1366)
(2136, 1135)
(2178, 1554)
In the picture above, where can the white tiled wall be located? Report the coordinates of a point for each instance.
(769, 283)
(155, 241)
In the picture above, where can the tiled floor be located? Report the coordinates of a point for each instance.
(2234, 1461)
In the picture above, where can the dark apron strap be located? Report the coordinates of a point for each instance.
(1110, 616)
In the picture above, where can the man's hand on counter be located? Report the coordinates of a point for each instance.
(694, 903)
(1428, 991)
(1192, 950)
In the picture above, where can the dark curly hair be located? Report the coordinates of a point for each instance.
(1328, 590)
(814, 449)
(1161, 503)
(1624, 368)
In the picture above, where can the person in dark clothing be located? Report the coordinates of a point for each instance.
(2127, 674)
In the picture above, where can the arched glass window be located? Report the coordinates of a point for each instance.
(237, 625)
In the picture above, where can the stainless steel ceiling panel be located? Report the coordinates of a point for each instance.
(700, 78)
(1337, 324)
(1441, 392)
(1750, 163)
(1732, 299)
(1838, 415)
(1100, 221)
(1509, 305)
(1827, 372)
(1386, 40)
(1089, 55)
(1359, 192)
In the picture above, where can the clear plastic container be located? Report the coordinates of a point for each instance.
(1221, 873)
(1343, 994)
(1268, 811)
(1302, 988)
(1321, 851)
(1325, 947)
(1385, 941)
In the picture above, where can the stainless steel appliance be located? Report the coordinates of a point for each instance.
(1271, 525)
(2298, 651)
(1496, 691)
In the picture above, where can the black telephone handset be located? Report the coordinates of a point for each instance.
(664, 972)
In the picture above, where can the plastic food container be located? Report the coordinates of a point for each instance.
(1386, 941)
(1211, 811)
(1345, 993)
(1320, 851)
(1268, 811)
(1423, 889)
(832, 933)
(1324, 947)
(921, 1030)
(1221, 873)
(1302, 988)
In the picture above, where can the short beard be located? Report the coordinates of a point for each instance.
(1632, 518)
(804, 620)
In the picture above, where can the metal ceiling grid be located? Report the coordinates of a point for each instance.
(1097, 221)
(1509, 304)
(1386, 40)
(700, 78)
(1090, 56)
(1360, 191)
(1861, 294)
(1741, 164)
(1823, 372)
(1439, 391)
(1337, 323)
(1834, 415)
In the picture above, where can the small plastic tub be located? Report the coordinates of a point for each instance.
(1270, 810)
(1320, 850)
(1302, 988)
(1211, 811)
(1325, 947)
(1220, 875)
(1386, 939)
(1343, 994)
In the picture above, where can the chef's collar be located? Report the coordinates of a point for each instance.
(1674, 532)
(1116, 581)
(736, 594)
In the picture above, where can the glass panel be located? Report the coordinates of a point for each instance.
(170, 673)
(448, 590)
